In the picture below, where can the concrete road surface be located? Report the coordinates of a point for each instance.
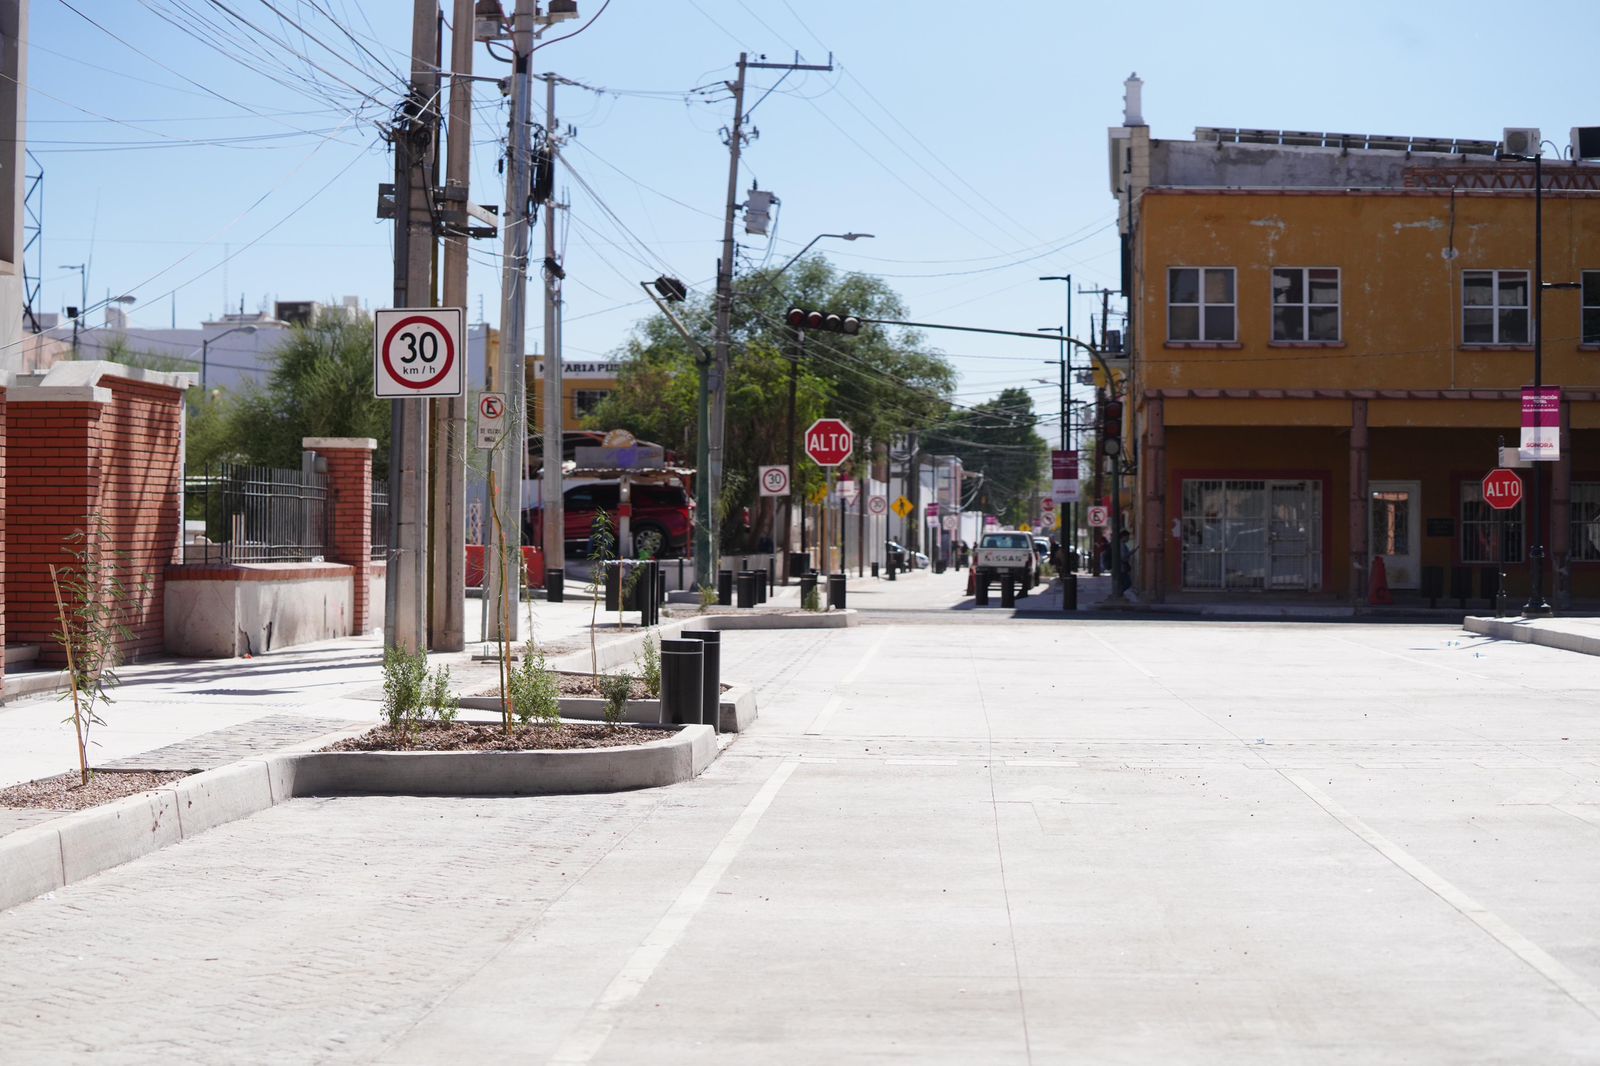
(983, 840)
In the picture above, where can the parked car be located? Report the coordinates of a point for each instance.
(662, 510)
(904, 558)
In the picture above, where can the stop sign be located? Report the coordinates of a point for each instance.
(1502, 489)
(829, 442)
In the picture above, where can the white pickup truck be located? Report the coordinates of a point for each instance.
(1003, 553)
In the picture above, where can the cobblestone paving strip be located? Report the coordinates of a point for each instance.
(297, 935)
(243, 741)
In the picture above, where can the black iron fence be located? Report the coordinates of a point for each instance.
(255, 514)
(380, 519)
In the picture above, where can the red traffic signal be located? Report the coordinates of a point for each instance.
(1111, 427)
(825, 321)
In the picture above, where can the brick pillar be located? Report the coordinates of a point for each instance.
(349, 462)
(2, 531)
(53, 487)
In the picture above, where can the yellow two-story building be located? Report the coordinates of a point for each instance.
(1329, 339)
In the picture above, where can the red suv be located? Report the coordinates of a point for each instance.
(664, 510)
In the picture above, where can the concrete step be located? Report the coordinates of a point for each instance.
(19, 656)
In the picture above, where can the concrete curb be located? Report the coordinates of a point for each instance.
(56, 853)
(735, 712)
(1530, 632)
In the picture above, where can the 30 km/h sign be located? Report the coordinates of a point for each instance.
(1502, 489)
(774, 481)
(418, 353)
(877, 505)
(829, 442)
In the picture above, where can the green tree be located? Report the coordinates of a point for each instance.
(997, 438)
(320, 386)
(881, 382)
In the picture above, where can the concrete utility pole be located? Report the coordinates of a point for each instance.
(708, 473)
(551, 497)
(406, 585)
(713, 384)
(447, 624)
(508, 460)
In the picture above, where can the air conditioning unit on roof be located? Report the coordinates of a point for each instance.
(1521, 140)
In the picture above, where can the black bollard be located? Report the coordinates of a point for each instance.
(682, 681)
(891, 568)
(643, 598)
(613, 580)
(711, 688)
(661, 584)
(874, 569)
(772, 573)
(554, 582)
(1008, 591)
(836, 591)
(980, 594)
(725, 587)
(747, 588)
(760, 579)
(1069, 592)
(799, 564)
(808, 585)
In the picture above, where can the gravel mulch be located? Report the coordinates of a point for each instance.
(64, 792)
(465, 736)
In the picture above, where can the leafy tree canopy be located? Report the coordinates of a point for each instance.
(881, 382)
(997, 438)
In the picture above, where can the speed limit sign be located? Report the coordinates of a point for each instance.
(418, 353)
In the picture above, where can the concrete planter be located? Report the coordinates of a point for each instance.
(736, 711)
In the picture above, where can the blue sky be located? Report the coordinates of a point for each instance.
(969, 138)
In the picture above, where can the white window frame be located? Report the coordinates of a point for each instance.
(1307, 305)
(1590, 283)
(1200, 306)
(1479, 528)
(1495, 307)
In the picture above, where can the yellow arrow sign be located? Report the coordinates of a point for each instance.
(903, 507)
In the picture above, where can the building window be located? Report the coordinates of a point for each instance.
(584, 401)
(1487, 535)
(1305, 304)
(1494, 307)
(1252, 535)
(1591, 307)
(1586, 521)
(1200, 304)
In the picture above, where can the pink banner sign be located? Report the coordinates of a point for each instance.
(1541, 425)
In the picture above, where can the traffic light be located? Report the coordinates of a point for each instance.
(1111, 427)
(804, 318)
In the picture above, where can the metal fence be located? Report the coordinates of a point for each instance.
(380, 519)
(255, 514)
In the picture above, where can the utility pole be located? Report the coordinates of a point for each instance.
(551, 497)
(1115, 534)
(405, 585)
(501, 565)
(714, 379)
(713, 383)
(446, 621)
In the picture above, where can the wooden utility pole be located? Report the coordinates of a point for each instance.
(447, 628)
(405, 585)
(552, 498)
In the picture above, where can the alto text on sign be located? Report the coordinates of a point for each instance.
(829, 442)
(1502, 489)
(418, 353)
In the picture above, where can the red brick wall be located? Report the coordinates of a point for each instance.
(2, 529)
(69, 462)
(350, 496)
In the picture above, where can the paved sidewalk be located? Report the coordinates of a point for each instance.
(1581, 635)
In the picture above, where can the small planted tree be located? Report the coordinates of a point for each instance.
(602, 548)
(92, 606)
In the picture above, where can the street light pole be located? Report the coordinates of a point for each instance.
(205, 350)
(1066, 392)
(83, 300)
